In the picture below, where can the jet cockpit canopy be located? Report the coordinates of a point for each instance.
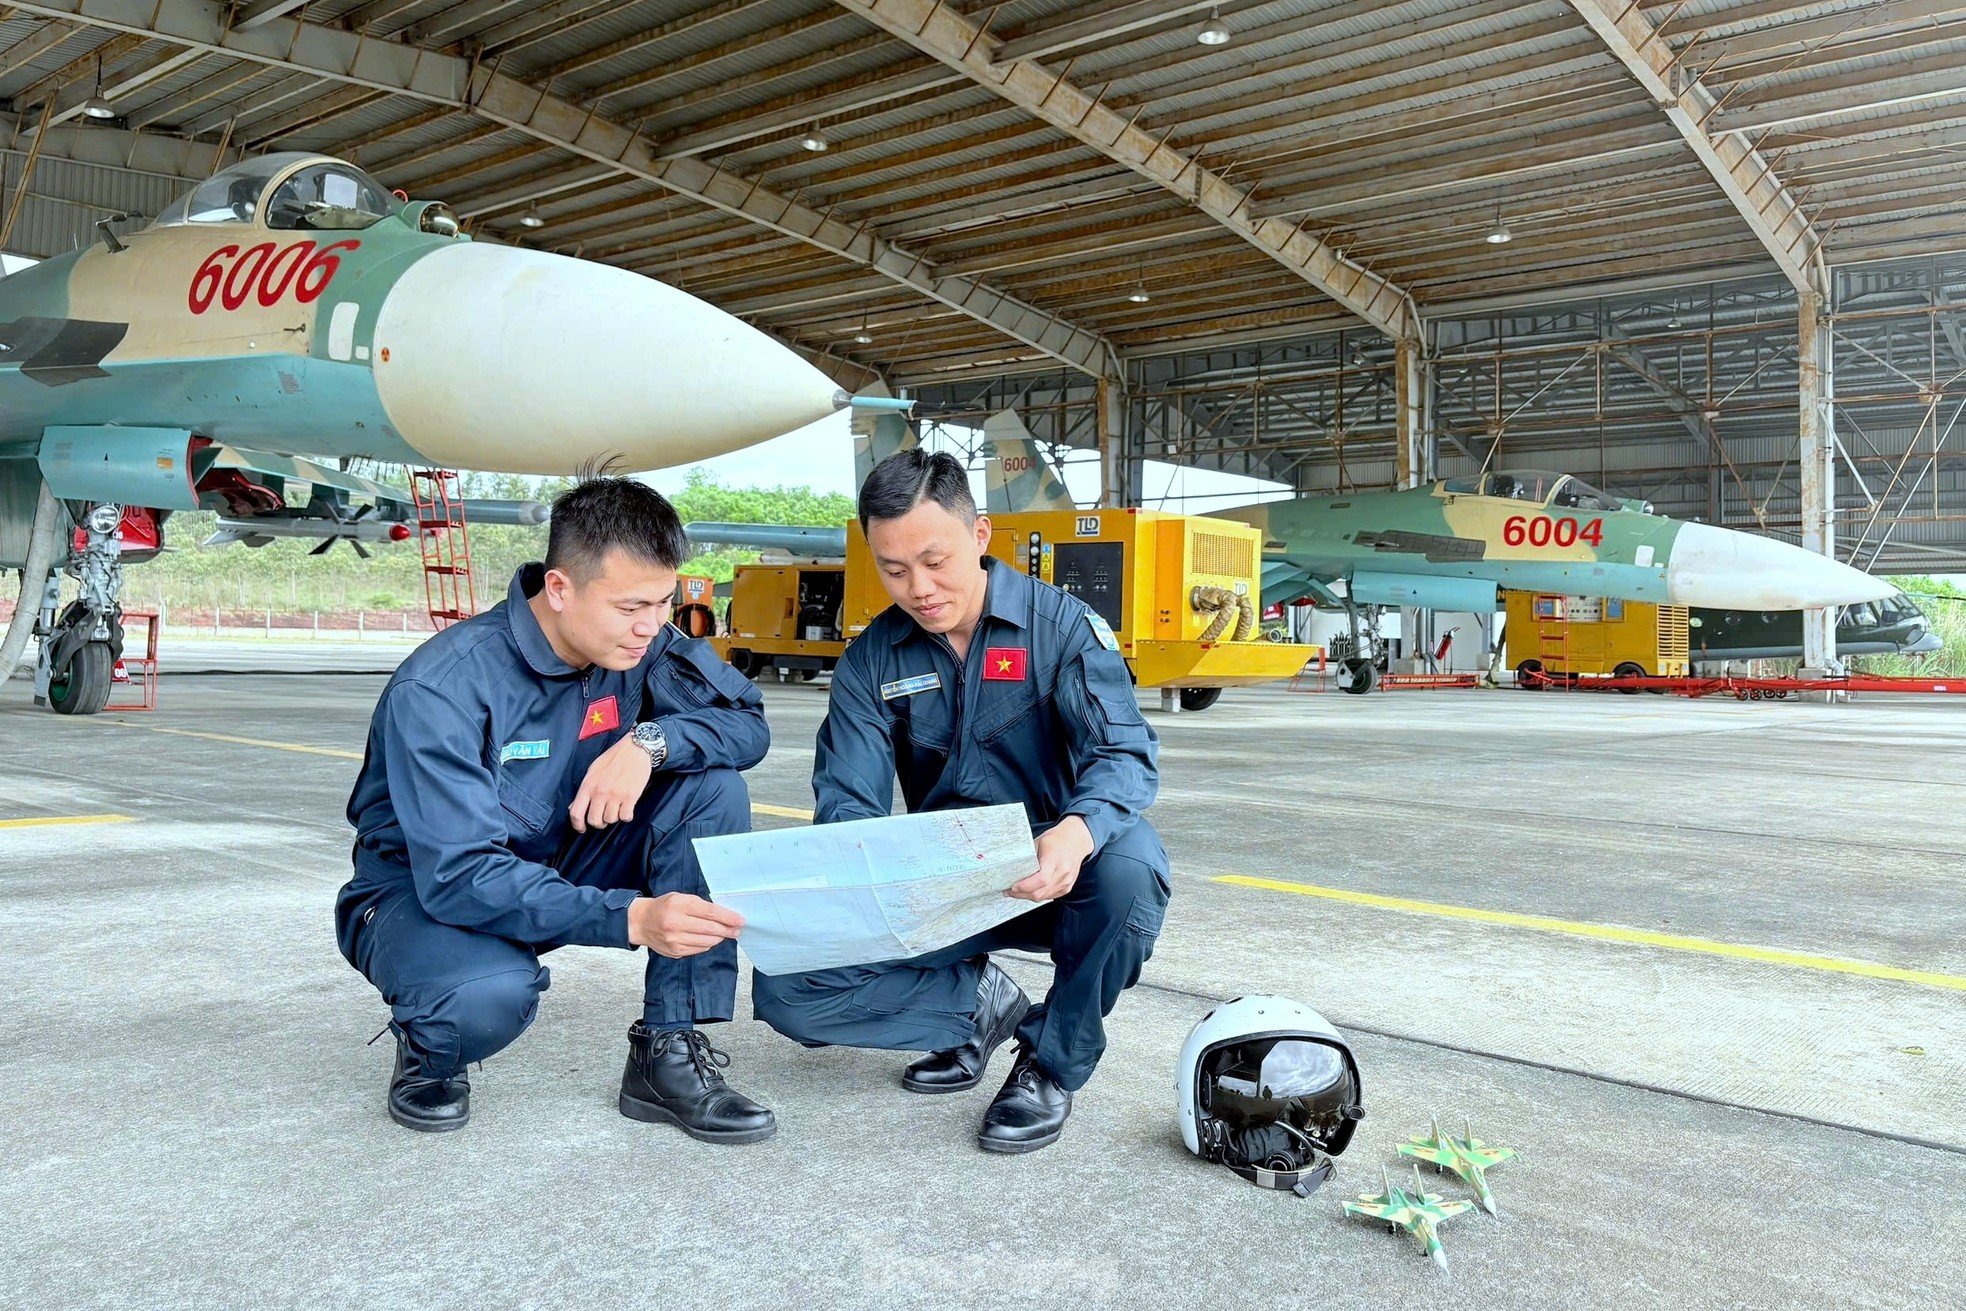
(290, 190)
(1537, 487)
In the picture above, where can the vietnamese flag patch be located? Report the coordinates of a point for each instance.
(601, 716)
(1004, 664)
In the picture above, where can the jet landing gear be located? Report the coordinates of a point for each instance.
(81, 645)
(1358, 673)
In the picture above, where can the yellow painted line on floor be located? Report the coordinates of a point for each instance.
(782, 812)
(50, 821)
(250, 741)
(1606, 933)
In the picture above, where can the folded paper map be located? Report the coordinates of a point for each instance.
(870, 889)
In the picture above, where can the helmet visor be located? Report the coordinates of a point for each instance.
(1296, 1082)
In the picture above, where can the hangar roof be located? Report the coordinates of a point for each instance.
(1002, 183)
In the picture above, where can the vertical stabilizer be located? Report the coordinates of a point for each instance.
(1018, 477)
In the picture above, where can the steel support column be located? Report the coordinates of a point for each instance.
(1818, 468)
(1412, 464)
(1113, 407)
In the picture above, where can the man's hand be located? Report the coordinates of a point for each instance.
(1062, 849)
(613, 785)
(678, 924)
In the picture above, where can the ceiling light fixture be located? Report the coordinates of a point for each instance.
(814, 142)
(1139, 295)
(863, 337)
(531, 219)
(1499, 235)
(95, 106)
(1214, 32)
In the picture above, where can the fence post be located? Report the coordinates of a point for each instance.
(317, 625)
(361, 622)
(269, 621)
(216, 617)
(406, 623)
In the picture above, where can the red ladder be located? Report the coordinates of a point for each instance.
(446, 544)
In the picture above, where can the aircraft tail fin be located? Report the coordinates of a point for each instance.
(877, 435)
(1018, 476)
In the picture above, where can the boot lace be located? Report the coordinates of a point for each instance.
(706, 1059)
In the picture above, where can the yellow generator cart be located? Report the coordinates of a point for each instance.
(1563, 636)
(1180, 592)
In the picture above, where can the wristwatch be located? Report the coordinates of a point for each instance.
(650, 738)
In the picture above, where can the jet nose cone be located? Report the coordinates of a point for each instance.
(493, 357)
(1727, 570)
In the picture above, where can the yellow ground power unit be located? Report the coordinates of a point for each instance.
(1180, 592)
(1565, 635)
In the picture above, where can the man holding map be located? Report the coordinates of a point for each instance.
(982, 686)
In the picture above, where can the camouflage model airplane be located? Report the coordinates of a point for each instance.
(1419, 1213)
(1466, 1156)
(291, 314)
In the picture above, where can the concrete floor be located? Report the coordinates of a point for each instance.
(193, 1119)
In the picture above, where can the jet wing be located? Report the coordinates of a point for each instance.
(1370, 1207)
(1426, 1152)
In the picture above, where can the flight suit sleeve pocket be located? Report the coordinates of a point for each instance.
(530, 813)
(1109, 688)
(703, 678)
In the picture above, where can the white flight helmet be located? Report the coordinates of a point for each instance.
(1269, 1089)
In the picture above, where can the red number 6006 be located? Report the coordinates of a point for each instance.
(265, 273)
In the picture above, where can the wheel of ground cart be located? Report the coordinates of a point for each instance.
(1628, 670)
(1361, 676)
(741, 661)
(807, 675)
(1199, 698)
(84, 688)
(1529, 675)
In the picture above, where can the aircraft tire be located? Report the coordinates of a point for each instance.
(1199, 698)
(1528, 667)
(1628, 670)
(1363, 676)
(84, 689)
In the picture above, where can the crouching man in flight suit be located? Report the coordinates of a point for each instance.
(981, 686)
(533, 779)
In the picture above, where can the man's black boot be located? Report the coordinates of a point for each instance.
(1028, 1113)
(1000, 1007)
(417, 1101)
(674, 1077)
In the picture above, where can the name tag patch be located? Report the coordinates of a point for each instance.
(524, 751)
(910, 686)
(1103, 631)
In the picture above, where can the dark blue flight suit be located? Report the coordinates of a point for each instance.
(1064, 738)
(467, 866)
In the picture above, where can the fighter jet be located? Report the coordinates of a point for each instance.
(291, 314)
(1466, 1156)
(1450, 545)
(1419, 1213)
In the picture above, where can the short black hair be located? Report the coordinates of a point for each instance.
(599, 515)
(907, 478)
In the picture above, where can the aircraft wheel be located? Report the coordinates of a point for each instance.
(84, 688)
(1362, 676)
(1628, 670)
(1199, 698)
(1527, 674)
